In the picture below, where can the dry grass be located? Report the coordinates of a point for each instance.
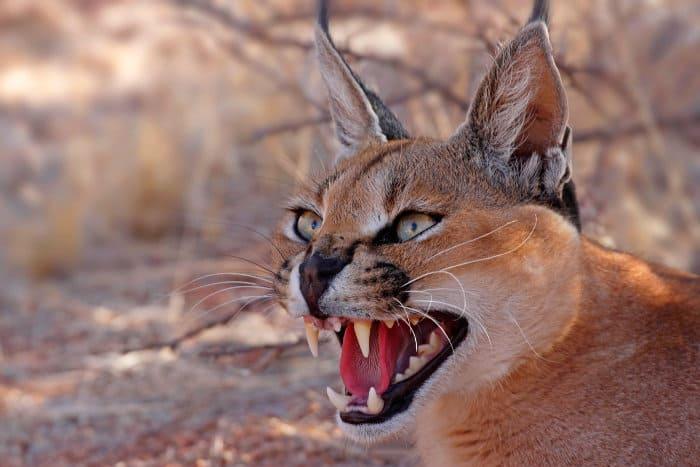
(137, 136)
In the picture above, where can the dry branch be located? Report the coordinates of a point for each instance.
(609, 133)
(260, 34)
(175, 342)
(294, 125)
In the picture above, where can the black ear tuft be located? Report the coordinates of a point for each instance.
(540, 12)
(516, 129)
(359, 114)
(322, 16)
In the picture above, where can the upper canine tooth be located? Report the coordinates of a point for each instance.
(375, 404)
(312, 338)
(338, 400)
(362, 331)
(390, 323)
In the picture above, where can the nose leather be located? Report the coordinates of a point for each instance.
(315, 275)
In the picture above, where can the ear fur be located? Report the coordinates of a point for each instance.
(360, 117)
(520, 106)
(516, 128)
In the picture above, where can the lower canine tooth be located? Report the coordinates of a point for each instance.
(425, 349)
(338, 400)
(375, 404)
(312, 338)
(362, 332)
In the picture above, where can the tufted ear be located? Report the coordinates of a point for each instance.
(359, 116)
(520, 106)
(516, 126)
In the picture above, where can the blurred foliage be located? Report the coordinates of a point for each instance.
(125, 119)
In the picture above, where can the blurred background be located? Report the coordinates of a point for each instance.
(146, 146)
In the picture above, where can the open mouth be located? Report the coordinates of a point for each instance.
(384, 363)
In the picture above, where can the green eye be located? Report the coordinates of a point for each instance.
(307, 223)
(413, 224)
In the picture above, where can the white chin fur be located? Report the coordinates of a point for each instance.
(296, 305)
(370, 433)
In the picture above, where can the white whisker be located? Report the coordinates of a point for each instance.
(512, 250)
(228, 302)
(408, 322)
(472, 240)
(225, 289)
(423, 313)
(251, 276)
(464, 313)
(434, 289)
(527, 341)
(224, 283)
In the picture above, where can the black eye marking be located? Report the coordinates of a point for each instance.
(386, 236)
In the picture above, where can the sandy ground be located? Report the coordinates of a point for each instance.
(71, 395)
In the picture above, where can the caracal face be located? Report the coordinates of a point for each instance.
(432, 260)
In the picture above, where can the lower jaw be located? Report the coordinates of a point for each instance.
(399, 396)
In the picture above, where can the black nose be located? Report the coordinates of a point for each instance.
(315, 275)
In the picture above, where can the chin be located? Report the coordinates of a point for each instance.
(397, 426)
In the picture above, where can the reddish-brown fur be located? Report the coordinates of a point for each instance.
(619, 387)
(575, 354)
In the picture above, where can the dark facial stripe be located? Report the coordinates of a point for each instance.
(378, 158)
(325, 184)
(389, 148)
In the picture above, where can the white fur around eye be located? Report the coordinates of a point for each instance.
(290, 231)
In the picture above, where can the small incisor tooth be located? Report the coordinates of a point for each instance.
(415, 364)
(337, 325)
(338, 400)
(414, 320)
(312, 338)
(375, 404)
(390, 323)
(362, 332)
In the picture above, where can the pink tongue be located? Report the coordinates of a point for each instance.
(360, 373)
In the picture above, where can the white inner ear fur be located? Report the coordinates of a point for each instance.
(356, 123)
(521, 104)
